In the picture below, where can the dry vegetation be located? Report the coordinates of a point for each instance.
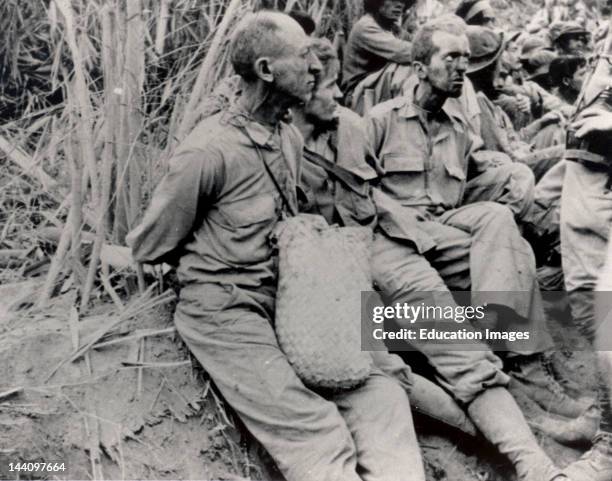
(94, 96)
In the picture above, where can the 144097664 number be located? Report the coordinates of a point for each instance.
(37, 467)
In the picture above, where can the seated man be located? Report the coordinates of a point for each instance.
(498, 134)
(567, 73)
(425, 150)
(335, 178)
(525, 100)
(375, 40)
(570, 38)
(214, 213)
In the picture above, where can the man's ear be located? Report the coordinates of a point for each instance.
(262, 69)
(420, 69)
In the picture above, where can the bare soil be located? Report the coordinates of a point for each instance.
(167, 421)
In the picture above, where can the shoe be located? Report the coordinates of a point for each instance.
(572, 432)
(498, 417)
(531, 376)
(554, 363)
(431, 400)
(595, 464)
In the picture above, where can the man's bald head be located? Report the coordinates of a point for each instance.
(263, 34)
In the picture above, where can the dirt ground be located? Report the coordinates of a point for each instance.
(105, 417)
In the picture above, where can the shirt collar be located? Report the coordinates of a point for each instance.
(451, 109)
(409, 111)
(259, 134)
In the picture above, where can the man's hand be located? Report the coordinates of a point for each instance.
(523, 103)
(550, 118)
(598, 120)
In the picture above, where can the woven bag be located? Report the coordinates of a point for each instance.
(322, 271)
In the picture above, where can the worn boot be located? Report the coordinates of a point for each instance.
(426, 398)
(531, 376)
(579, 431)
(554, 363)
(595, 464)
(496, 414)
(570, 432)
(431, 400)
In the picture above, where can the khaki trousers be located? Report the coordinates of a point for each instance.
(364, 434)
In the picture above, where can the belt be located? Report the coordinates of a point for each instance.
(588, 159)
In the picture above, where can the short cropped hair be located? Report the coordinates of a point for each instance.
(373, 6)
(326, 53)
(305, 21)
(423, 47)
(564, 67)
(255, 36)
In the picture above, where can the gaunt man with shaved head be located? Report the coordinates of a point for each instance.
(229, 184)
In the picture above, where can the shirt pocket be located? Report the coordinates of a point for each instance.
(245, 228)
(397, 163)
(404, 177)
(248, 212)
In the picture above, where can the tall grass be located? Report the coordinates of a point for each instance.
(94, 96)
(96, 93)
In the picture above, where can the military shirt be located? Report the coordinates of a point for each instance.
(427, 171)
(216, 208)
(344, 194)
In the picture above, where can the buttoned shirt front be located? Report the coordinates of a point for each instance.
(424, 170)
(343, 194)
(216, 208)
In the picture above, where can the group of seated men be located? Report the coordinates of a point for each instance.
(442, 168)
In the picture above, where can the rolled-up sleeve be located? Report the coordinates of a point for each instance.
(177, 206)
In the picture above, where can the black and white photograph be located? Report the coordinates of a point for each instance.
(306, 240)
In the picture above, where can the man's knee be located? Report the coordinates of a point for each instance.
(494, 214)
(398, 269)
(385, 395)
(521, 173)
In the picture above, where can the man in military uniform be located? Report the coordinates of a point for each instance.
(229, 183)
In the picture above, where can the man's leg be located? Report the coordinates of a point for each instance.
(379, 418)
(548, 192)
(231, 335)
(474, 377)
(426, 397)
(502, 270)
(510, 184)
(586, 217)
(546, 215)
(404, 276)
